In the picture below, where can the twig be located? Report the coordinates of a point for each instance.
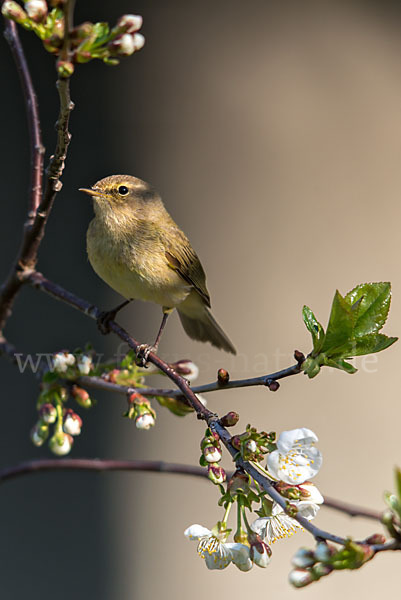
(351, 510)
(32, 111)
(39, 209)
(96, 464)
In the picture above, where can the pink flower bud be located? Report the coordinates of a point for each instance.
(37, 10)
(129, 23)
(12, 10)
(145, 421)
(139, 41)
(216, 474)
(212, 454)
(48, 413)
(72, 423)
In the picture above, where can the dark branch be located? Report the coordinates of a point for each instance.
(39, 208)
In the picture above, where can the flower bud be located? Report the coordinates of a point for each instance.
(375, 538)
(65, 69)
(236, 442)
(129, 23)
(37, 10)
(260, 552)
(186, 368)
(273, 385)
(61, 443)
(212, 454)
(223, 377)
(322, 552)
(139, 41)
(12, 10)
(72, 423)
(300, 578)
(216, 474)
(319, 570)
(48, 413)
(81, 396)
(123, 46)
(251, 446)
(84, 364)
(230, 419)
(303, 558)
(238, 481)
(145, 421)
(39, 433)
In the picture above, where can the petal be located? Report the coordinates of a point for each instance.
(308, 510)
(302, 435)
(240, 556)
(315, 496)
(218, 560)
(195, 532)
(259, 526)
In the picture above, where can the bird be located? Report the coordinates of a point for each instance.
(134, 245)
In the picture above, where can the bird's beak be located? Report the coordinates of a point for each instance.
(90, 192)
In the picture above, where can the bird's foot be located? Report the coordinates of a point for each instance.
(103, 321)
(142, 354)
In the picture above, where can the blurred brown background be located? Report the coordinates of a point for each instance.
(273, 132)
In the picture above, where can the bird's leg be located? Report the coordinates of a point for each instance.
(109, 315)
(143, 351)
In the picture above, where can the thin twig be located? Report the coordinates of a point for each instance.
(32, 112)
(39, 209)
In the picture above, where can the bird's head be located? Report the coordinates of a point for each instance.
(123, 194)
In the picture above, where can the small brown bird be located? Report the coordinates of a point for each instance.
(135, 246)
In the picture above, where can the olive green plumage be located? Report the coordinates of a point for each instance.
(135, 246)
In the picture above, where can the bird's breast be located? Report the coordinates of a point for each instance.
(133, 266)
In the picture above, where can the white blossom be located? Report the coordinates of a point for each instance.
(296, 458)
(72, 424)
(216, 553)
(84, 364)
(63, 360)
(36, 9)
(63, 448)
(145, 421)
(240, 556)
(279, 525)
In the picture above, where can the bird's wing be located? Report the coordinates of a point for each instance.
(182, 258)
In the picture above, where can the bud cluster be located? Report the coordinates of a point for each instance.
(211, 456)
(87, 41)
(253, 445)
(312, 565)
(140, 411)
(64, 421)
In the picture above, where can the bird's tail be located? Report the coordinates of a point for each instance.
(200, 324)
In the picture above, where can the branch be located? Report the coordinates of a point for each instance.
(95, 464)
(39, 209)
(31, 105)
(351, 510)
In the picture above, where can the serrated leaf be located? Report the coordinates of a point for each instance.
(340, 327)
(365, 344)
(314, 327)
(373, 305)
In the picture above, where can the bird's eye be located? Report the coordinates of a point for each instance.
(123, 190)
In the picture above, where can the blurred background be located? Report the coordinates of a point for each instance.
(273, 132)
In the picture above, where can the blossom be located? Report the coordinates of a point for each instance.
(279, 525)
(216, 553)
(296, 458)
(61, 443)
(84, 364)
(72, 423)
(144, 421)
(63, 360)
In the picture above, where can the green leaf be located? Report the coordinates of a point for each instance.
(366, 344)
(341, 364)
(314, 327)
(373, 303)
(340, 327)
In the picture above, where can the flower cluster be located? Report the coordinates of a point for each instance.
(88, 40)
(291, 462)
